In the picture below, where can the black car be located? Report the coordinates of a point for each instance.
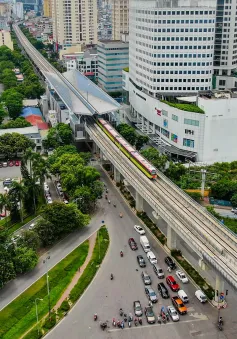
(170, 262)
(141, 261)
(132, 244)
(163, 290)
(146, 278)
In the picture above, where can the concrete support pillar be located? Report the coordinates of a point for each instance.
(139, 202)
(117, 176)
(101, 155)
(220, 285)
(171, 238)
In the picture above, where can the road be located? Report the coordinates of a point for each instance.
(105, 297)
(226, 213)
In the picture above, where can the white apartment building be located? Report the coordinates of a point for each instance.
(74, 22)
(225, 52)
(17, 9)
(120, 18)
(85, 62)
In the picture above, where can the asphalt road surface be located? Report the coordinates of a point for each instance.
(106, 297)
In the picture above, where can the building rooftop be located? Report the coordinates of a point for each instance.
(28, 131)
(113, 42)
(218, 94)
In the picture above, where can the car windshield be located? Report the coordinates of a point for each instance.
(202, 297)
(138, 307)
(152, 294)
(150, 312)
(139, 228)
(173, 312)
(182, 275)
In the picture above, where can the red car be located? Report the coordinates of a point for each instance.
(17, 163)
(2, 214)
(172, 283)
(132, 244)
(10, 163)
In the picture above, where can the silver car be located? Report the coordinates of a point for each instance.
(173, 313)
(137, 308)
(151, 294)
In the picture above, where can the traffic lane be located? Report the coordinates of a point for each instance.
(15, 287)
(53, 191)
(105, 297)
(226, 213)
(10, 172)
(26, 226)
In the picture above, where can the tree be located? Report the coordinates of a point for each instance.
(8, 78)
(195, 195)
(6, 65)
(7, 271)
(13, 101)
(224, 189)
(25, 259)
(19, 191)
(141, 141)
(3, 113)
(66, 161)
(234, 200)
(18, 123)
(175, 171)
(5, 204)
(128, 133)
(58, 136)
(29, 239)
(46, 232)
(12, 143)
(157, 159)
(59, 151)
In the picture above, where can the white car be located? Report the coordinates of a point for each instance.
(49, 200)
(31, 226)
(173, 313)
(182, 276)
(15, 238)
(46, 187)
(201, 296)
(59, 186)
(139, 229)
(151, 257)
(65, 201)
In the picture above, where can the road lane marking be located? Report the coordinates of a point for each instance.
(156, 325)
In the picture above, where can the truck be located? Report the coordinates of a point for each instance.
(145, 243)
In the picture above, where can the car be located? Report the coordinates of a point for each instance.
(17, 163)
(4, 164)
(173, 313)
(151, 257)
(65, 201)
(170, 262)
(59, 187)
(163, 290)
(31, 226)
(46, 188)
(6, 189)
(139, 229)
(137, 308)
(172, 283)
(49, 200)
(141, 261)
(11, 163)
(132, 244)
(150, 316)
(179, 305)
(15, 238)
(3, 214)
(201, 296)
(182, 276)
(146, 278)
(0, 164)
(7, 182)
(158, 271)
(234, 210)
(151, 294)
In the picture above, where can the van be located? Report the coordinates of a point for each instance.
(145, 243)
(158, 271)
(183, 296)
(152, 258)
(201, 296)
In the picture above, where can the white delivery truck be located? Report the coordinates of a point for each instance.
(145, 243)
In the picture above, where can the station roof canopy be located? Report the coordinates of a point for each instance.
(99, 101)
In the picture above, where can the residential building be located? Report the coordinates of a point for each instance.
(120, 18)
(31, 132)
(5, 39)
(30, 5)
(225, 51)
(48, 8)
(17, 9)
(112, 59)
(85, 62)
(74, 22)
(4, 8)
(4, 23)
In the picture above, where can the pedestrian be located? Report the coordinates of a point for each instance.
(79, 269)
(168, 269)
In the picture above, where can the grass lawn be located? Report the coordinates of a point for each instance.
(19, 316)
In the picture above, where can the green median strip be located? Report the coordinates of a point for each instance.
(19, 316)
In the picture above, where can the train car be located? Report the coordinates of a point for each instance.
(147, 168)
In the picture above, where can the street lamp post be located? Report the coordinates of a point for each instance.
(36, 311)
(47, 278)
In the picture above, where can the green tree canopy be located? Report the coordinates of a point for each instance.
(59, 151)
(11, 143)
(13, 101)
(3, 113)
(128, 133)
(234, 200)
(29, 239)
(17, 123)
(141, 141)
(157, 159)
(25, 259)
(7, 271)
(58, 136)
(224, 189)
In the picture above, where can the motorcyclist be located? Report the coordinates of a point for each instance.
(220, 320)
(109, 201)
(111, 276)
(121, 253)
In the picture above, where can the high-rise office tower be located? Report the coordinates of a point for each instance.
(30, 4)
(120, 18)
(47, 8)
(171, 45)
(225, 51)
(74, 22)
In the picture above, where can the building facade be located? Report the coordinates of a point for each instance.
(85, 62)
(17, 9)
(30, 5)
(112, 59)
(47, 8)
(225, 52)
(5, 39)
(120, 18)
(74, 22)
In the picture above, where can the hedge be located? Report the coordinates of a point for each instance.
(184, 107)
(152, 227)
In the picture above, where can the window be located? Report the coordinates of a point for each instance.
(191, 122)
(188, 143)
(189, 131)
(175, 117)
(165, 113)
(221, 82)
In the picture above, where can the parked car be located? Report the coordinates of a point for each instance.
(170, 262)
(158, 271)
(31, 226)
(179, 305)
(173, 313)
(65, 201)
(0, 164)
(132, 244)
(151, 257)
(146, 278)
(172, 283)
(49, 200)
(7, 182)
(137, 308)
(17, 163)
(151, 295)
(150, 316)
(163, 290)
(11, 163)
(4, 164)
(141, 261)
(139, 229)
(201, 296)
(182, 276)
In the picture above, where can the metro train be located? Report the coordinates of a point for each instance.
(148, 169)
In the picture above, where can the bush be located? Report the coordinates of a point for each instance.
(33, 334)
(184, 107)
(153, 227)
(65, 307)
(49, 323)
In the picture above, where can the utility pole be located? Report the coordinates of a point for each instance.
(47, 279)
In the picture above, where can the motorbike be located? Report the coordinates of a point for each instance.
(114, 205)
(167, 317)
(122, 325)
(95, 316)
(107, 191)
(220, 326)
(120, 215)
(114, 322)
(111, 276)
(159, 319)
(129, 324)
(121, 312)
(121, 253)
(118, 324)
(109, 201)
(106, 197)
(125, 317)
(103, 325)
(135, 322)
(140, 321)
(130, 317)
